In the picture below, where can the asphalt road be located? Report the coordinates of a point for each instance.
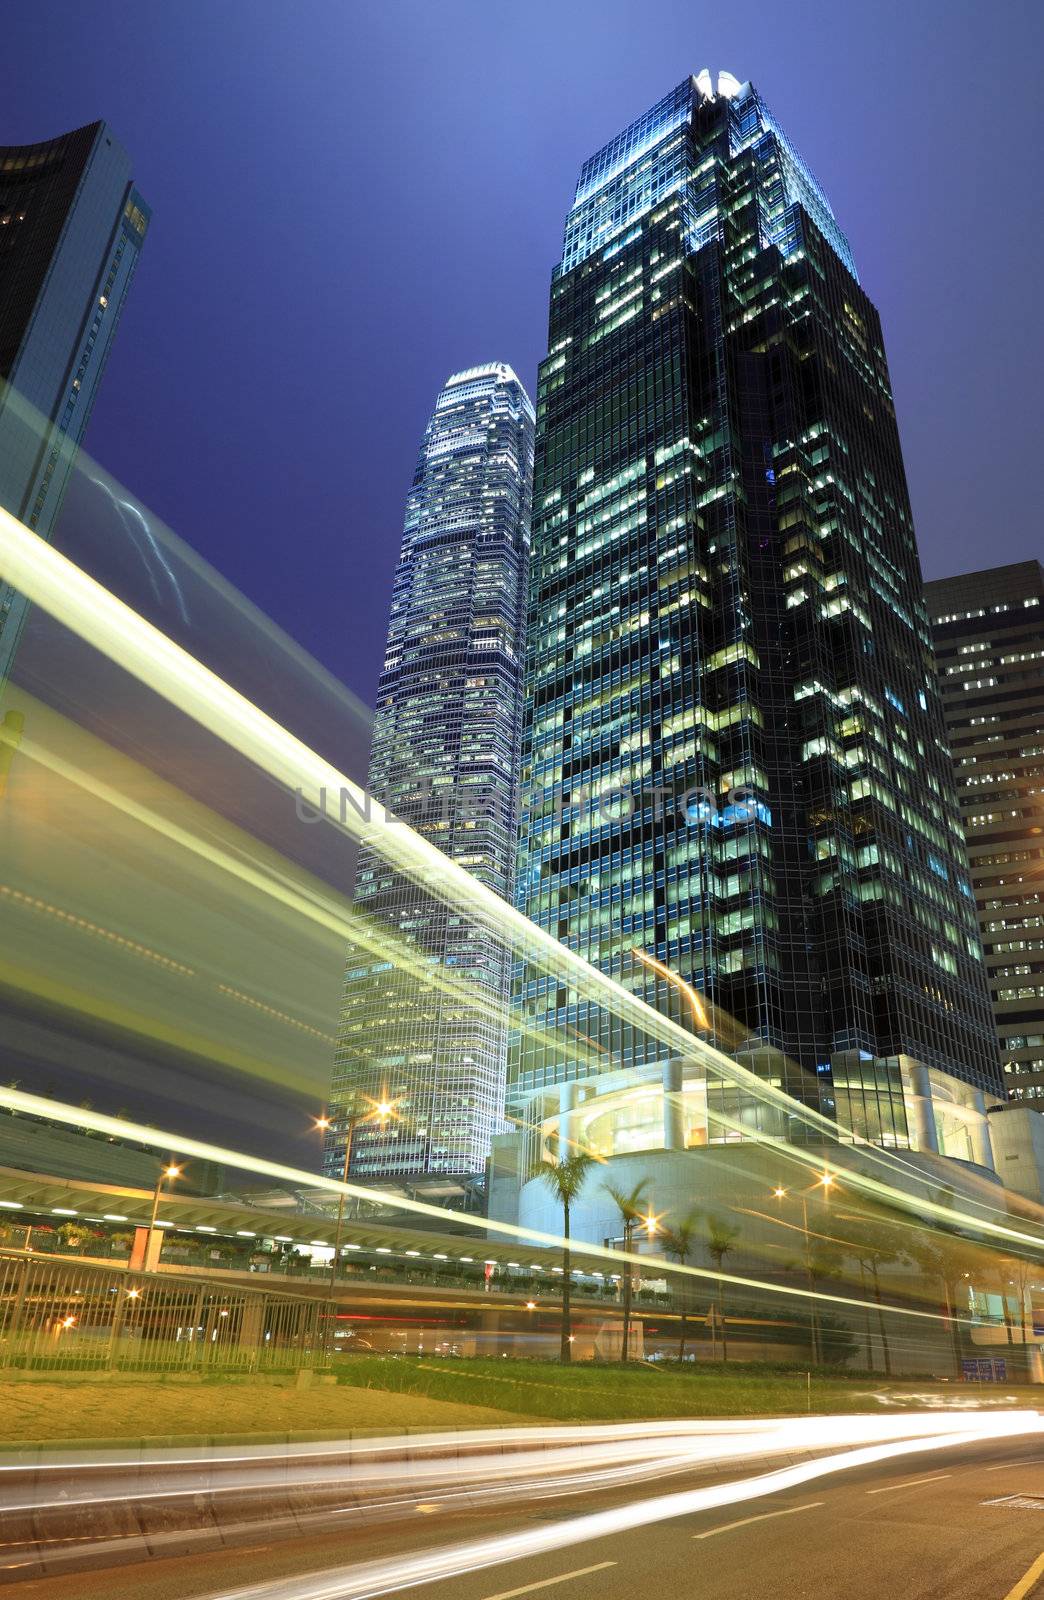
(963, 1523)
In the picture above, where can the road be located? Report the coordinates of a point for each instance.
(961, 1522)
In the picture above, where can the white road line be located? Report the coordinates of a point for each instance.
(1005, 1465)
(910, 1483)
(764, 1517)
(546, 1583)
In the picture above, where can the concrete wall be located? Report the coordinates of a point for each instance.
(1017, 1135)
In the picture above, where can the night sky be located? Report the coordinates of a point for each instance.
(352, 200)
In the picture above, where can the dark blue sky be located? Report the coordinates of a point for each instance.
(351, 200)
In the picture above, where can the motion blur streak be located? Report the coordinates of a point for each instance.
(291, 896)
(89, 610)
(531, 1460)
(385, 1577)
(78, 1117)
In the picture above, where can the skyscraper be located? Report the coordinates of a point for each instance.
(445, 759)
(989, 648)
(734, 756)
(71, 228)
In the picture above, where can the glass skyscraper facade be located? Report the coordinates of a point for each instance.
(734, 756)
(989, 647)
(71, 229)
(445, 759)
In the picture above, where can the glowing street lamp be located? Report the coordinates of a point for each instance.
(380, 1111)
(169, 1172)
(826, 1182)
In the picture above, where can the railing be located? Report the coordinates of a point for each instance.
(61, 1314)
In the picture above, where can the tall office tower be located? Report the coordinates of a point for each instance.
(445, 758)
(734, 755)
(71, 227)
(989, 648)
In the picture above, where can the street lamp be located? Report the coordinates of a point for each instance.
(825, 1181)
(380, 1111)
(170, 1171)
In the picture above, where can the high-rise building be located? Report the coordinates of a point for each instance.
(734, 756)
(445, 755)
(989, 649)
(71, 228)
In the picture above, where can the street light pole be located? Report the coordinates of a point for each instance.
(810, 1278)
(825, 1182)
(381, 1112)
(169, 1171)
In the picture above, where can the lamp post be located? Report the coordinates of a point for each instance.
(651, 1226)
(381, 1111)
(169, 1171)
(825, 1181)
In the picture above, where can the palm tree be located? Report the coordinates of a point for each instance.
(825, 1260)
(627, 1205)
(721, 1237)
(565, 1179)
(945, 1256)
(875, 1244)
(677, 1242)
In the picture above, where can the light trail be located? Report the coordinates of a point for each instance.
(84, 606)
(180, 1144)
(388, 1576)
(536, 1461)
(237, 856)
(351, 1485)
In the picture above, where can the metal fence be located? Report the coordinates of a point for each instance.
(69, 1315)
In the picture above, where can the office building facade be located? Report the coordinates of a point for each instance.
(445, 756)
(734, 756)
(989, 647)
(72, 225)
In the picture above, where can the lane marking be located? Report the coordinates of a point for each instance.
(546, 1583)
(1004, 1465)
(911, 1483)
(1027, 1581)
(765, 1516)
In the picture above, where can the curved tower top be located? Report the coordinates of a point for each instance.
(652, 159)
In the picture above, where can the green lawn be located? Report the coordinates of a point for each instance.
(588, 1393)
(68, 1411)
(379, 1394)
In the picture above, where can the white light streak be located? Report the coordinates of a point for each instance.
(380, 1577)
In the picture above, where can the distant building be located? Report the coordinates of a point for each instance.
(445, 759)
(989, 647)
(734, 756)
(71, 229)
